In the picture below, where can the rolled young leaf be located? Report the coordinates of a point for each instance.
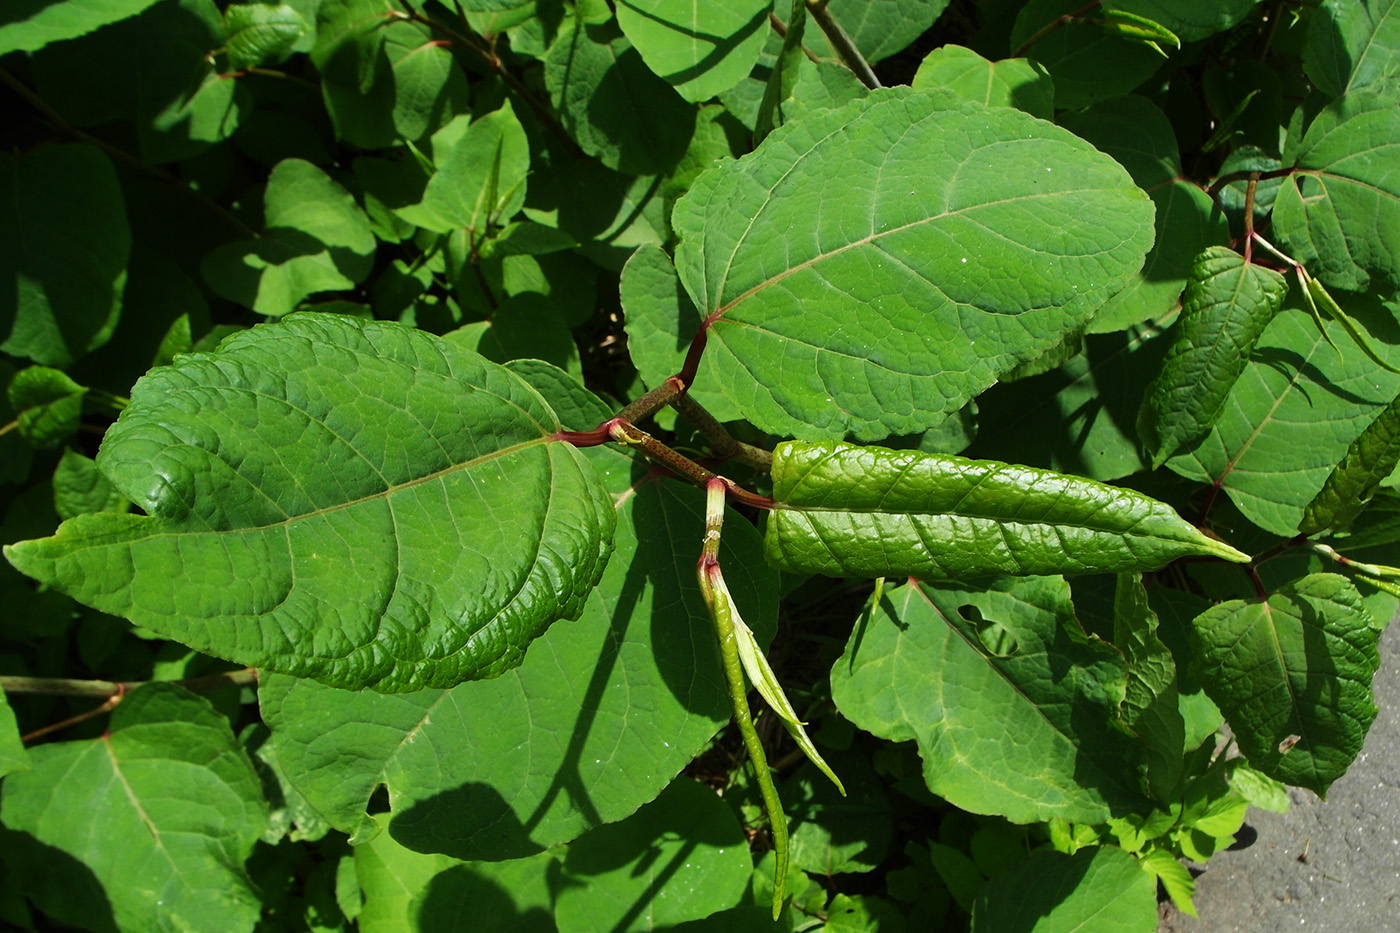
(359, 503)
(851, 511)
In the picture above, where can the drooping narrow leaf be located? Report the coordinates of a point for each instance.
(701, 49)
(845, 510)
(1099, 888)
(28, 27)
(1339, 212)
(1151, 706)
(1368, 462)
(1011, 704)
(449, 533)
(1227, 304)
(1292, 674)
(161, 811)
(1353, 44)
(315, 239)
(1012, 82)
(855, 281)
(1189, 20)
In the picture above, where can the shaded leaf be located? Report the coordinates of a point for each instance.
(79, 487)
(848, 275)
(1228, 303)
(1368, 462)
(699, 48)
(844, 510)
(401, 567)
(830, 832)
(1099, 888)
(1353, 44)
(1292, 674)
(879, 28)
(29, 25)
(1189, 20)
(48, 405)
(1150, 708)
(1012, 82)
(1010, 702)
(479, 180)
(179, 809)
(1087, 61)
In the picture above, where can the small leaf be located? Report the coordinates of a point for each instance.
(47, 404)
(1227, 304)
(1190, 19)
(258, 32)
(1012, 82)
(1368, 462)
(844, 510)
(400, 567)
(1177, 881)
(1139, 29)
(1100, 888)
(162, 810)
(1296, 666)
(480, 179)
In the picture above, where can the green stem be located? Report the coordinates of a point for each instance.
(653, 401)
(722, 614)
(721, 441)
(62, 686)
(842, 43)
(1051, 26)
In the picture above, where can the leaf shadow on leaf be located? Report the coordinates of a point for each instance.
(1304, 374)
(63, 887)
(460, 892)
(665, 149)
(723, 46)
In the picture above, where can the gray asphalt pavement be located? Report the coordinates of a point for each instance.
(1330, 866)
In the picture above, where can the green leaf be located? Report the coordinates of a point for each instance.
(402, 567)
(1012, 82)
(1293, 413)
(1353, 44)
(1292, 674)
(1151, 706)
(1368, 462)
(1099, 888)
(1190, 20)
(258, 33)
(683, 856)
(1177, 881)
(13, 757)
(64, 244)
(536, 757)
(48, 405)
(315, 239)
(480, 179)
(79, 487)
(830, 832)
(1087, 61)
(1339, 211)
(1228, 303)
(1011, 704)
(161, 811)
(879, 28)
(846, 274)
(844, 510)
(615, 107)
(29, 25)
(1137, 133)
(699, 48)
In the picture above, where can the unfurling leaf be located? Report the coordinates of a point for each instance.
(844, 510)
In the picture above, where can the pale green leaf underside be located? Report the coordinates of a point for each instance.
(855, 511)
(1293, 674)
(863, 282)
(359, 503)
(1018, 725)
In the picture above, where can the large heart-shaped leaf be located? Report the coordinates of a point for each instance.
(859, 281)
(844, 510)
(360, 503)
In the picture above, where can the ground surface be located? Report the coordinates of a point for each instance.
(1349, 877)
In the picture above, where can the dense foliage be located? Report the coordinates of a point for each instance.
(379, 372)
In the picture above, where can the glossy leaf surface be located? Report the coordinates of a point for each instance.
(848, 275)
(867, 511)
(1010, 702)
(1292, 674)
(403, 566)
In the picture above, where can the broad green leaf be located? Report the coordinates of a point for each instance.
(409, 892)
(1176, 879)
(1099, 888)
(157, 816)
(879, 28)
(429, 86)
(1339, 212)
(1136, 133)
(699, 48)
(1228, 303)
(615, 107)
(1368, 462)
(681, 857)
(259, 32)
(1353, 44)
(601, 715)
(48, 405)
(1293, 413)
(1088, 62)
(849, 511)
(1189, 20)
(480, 179)
(1011, 704)
(1013, 82)
(855, 281)
(1151, 706)
(64, 243)
(29, 25)
(450, 533)
(13, 757)
(315, 239)
(1292, 674)
(79, 487)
